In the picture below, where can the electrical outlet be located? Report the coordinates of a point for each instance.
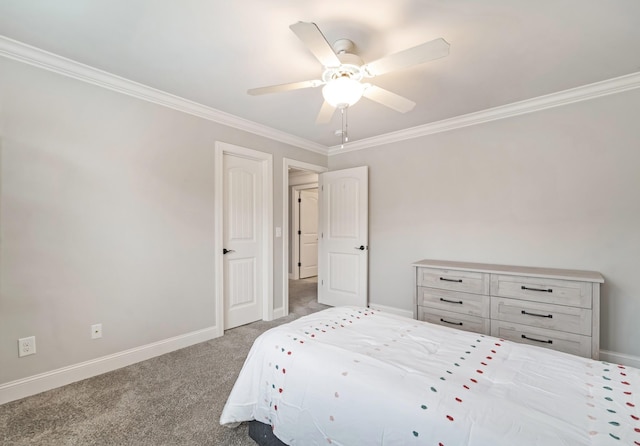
(96, 331)
(26, 346)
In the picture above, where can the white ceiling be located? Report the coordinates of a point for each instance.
(212, 51)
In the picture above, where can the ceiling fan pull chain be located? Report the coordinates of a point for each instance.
(346, 124)
(343, 128)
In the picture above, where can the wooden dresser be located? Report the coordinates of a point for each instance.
(553, 308)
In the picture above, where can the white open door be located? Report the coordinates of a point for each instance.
(308, 234)
(343, 243)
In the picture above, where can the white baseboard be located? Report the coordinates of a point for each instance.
(392, 310)
(278, 313)
(620, 358)
(31, 385)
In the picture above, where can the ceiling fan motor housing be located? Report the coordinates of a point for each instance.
(343, 46)
(349, 68)
(342, 84)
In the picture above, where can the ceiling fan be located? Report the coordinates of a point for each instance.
(344, 71)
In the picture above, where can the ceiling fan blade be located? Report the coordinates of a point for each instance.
(425, 52)
(284, 87)
(326, 113)
(389, 99)
(313, 38)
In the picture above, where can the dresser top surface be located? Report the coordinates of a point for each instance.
(552, 273)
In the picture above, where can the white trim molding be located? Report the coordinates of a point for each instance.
(12, 49)
(42, 382)
(578, 94)
(279, 312)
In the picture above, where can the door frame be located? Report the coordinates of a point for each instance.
(266, 160)
(295, 274)
(286, 215)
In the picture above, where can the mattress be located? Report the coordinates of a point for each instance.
(356, 376)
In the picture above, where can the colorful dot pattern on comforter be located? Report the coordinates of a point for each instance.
(352, 376)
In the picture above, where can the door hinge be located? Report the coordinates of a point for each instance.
(299, 232)
(299, 200)
(299, 264)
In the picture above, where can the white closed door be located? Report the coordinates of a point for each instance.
(308, 233)
(242, 240)
(343, 242)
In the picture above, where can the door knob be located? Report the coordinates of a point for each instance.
(225, 251)
(361, 247)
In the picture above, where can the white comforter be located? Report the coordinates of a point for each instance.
(355, 376)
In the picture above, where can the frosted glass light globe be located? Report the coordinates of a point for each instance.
(342, 92)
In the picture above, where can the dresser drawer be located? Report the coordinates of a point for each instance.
(454, 320)
(465, 303)
(563, 292)
(444, 279)
(565, 342)
(555, 317)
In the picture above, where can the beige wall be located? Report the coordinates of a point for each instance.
(106, 212)
(106, 216)
(557, 188)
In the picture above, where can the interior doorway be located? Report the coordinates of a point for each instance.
(301, 176)
(307, 234)
(304, 228)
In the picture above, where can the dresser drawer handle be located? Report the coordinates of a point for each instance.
(452, 323)
(451, 301)
(451, 280)
(550, 316)
(548, 341)
(547, 290)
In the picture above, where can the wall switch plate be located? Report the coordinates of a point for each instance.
(96, 331)
(278, 231)
(26, 346)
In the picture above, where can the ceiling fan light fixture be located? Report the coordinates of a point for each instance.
(343, 92)
(344, 71)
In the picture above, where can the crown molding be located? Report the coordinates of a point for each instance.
(570, 96)
(37, 57)
(12, 49)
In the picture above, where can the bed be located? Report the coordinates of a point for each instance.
(356, 376)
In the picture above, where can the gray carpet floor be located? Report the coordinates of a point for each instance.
(173, 399)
